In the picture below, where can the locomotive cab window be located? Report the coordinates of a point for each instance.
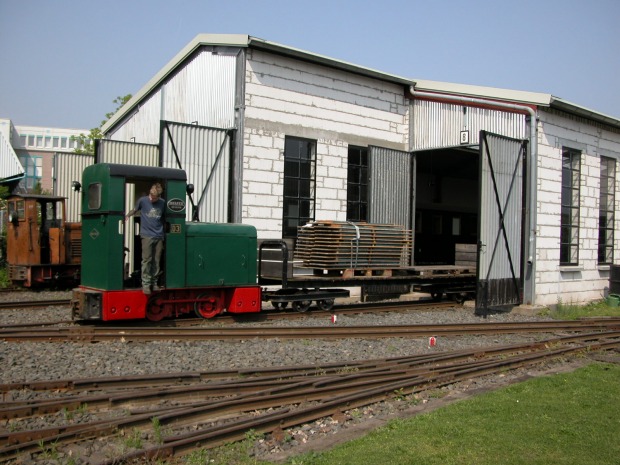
(16, 210)
(94, 196)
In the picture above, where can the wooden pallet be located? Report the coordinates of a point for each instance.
(345, 245)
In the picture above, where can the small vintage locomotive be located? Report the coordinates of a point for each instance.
(208, 268)
(43, 248)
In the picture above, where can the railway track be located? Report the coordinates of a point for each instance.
(271, 313)
(193, 333)
(208, 409)
(33, 303)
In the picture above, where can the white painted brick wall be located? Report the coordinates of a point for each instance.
(285, 97)
(588, 281)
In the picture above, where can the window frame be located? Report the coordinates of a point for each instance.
(357, 207)
(607, 207)
(298, 185)
(570, 207)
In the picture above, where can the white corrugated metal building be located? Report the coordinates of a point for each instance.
(275, 136)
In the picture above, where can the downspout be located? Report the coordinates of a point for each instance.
(529, 293)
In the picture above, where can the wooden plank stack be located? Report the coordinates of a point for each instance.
(336, 245)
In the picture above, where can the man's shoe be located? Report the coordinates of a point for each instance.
(156, 288)
(146, 290)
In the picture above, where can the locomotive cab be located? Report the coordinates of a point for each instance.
(42, 247)
(207, 268)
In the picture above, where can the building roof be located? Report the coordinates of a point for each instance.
(517, 96)
(247, 41)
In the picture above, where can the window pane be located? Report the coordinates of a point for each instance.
(569, 231)
(94, 196)
(298, 202)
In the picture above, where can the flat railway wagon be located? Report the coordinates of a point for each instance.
(299, 283)
(209, 268)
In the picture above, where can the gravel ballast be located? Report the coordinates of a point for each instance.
(23, 362)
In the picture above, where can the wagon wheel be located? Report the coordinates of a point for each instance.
(437, 295)
(301, 305)
(279, 305)
(154, 312)
(326, 304)
(460, 297)
(207, 305)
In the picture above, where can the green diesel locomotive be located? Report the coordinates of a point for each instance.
(208, 268)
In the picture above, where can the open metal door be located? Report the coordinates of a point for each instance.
(501, 219)
(391, 187)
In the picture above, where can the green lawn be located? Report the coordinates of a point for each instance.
(571, 418)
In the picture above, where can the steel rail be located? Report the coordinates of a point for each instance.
(98, 334)
(215, 436)
(34, 303)
(372, 381)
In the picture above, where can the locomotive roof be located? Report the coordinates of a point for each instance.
(146, 172)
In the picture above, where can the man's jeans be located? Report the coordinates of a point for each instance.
(151, 260)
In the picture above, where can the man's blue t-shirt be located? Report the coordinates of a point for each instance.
(151, 217)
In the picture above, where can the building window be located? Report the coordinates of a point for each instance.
(33, 171)
(569, 235)
(606, 209)
(357, 184)
(299, 184)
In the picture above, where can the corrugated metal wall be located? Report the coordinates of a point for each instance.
(67, 167)
(390, 196)
(143, 123)
(204, 153)
(126, 153)
(501, 191)
(203, 91)
(439, 125)
(9, 163)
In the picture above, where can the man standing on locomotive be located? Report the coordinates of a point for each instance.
(151, 208)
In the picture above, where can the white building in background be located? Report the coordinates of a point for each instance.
(35, 147)
(275, 136)
(33, 158)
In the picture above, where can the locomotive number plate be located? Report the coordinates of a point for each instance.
(175, 229)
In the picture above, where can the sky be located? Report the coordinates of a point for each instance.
(64, 62)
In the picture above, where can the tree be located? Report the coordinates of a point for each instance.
(86, 142)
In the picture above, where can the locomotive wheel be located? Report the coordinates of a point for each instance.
(326, 305)
(154, 312)
(279, 305)
(209, 308)
(301, 305)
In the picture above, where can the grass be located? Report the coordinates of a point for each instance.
(4, 277)
(572, 312)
